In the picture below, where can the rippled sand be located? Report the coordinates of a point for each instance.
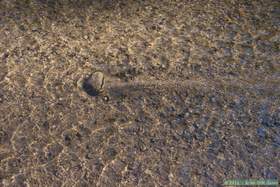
(191, 94)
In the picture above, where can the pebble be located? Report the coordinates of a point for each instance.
(106, 98)
(276, 141)
(261, 132)
(187, 136)
(94, 84)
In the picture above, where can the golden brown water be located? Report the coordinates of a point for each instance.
(191, 94)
